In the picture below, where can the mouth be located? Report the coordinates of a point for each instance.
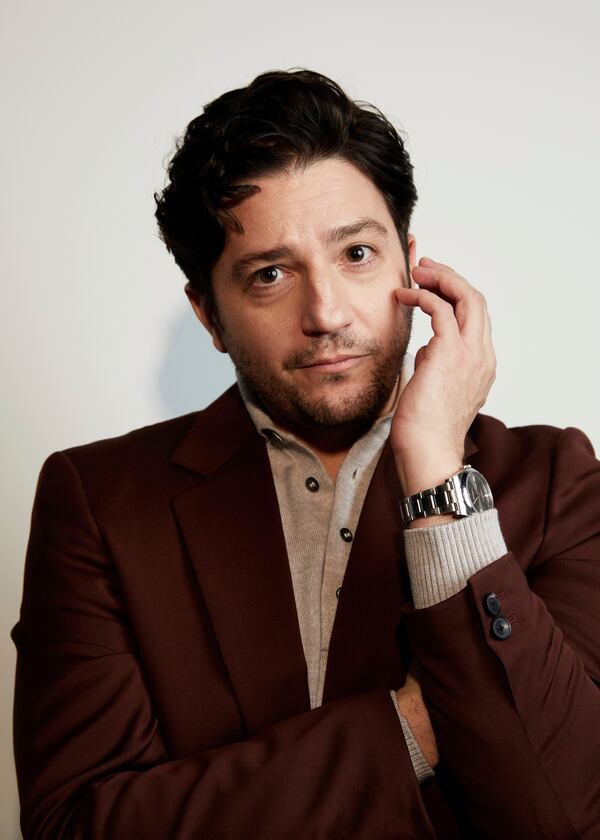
(334, 364)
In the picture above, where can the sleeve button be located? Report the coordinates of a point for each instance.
(501, 628)
(491, 604)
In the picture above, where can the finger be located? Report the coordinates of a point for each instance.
(468, 302)
(419, 355)
(487, 329)
(488, 343)
(437, 271)
(428, 262)
(443, 322)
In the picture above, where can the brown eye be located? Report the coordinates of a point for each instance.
(262, 275)
(360, 251)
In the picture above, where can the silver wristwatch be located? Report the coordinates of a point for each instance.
(464, 493)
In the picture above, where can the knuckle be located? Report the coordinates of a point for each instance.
(444, 305)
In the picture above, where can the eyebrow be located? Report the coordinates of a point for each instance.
(337, 234)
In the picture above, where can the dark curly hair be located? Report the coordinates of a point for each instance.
(282, 119)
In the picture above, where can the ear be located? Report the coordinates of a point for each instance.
(204, 315)
(412, 257)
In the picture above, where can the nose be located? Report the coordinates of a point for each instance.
(326, 305)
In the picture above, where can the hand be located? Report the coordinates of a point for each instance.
(412, 706)
(453, 375)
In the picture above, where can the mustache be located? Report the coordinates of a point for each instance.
(330, 347)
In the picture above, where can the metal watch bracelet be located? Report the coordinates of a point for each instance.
(433, 501)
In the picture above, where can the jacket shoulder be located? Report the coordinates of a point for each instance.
(134, 462)
(159, 436)
(490, 432)
(144, 461)
(492, 435)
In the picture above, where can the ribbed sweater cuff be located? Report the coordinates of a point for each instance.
(442, 558)
(421, 766)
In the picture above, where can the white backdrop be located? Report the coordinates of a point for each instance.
(500, 104)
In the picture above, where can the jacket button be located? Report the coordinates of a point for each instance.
(337, 591)
(346, 534)
(491, 604)
(312, 484)
(501, 628)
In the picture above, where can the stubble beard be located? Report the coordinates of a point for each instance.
(285, 400)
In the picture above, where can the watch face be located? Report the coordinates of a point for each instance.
(478, 492)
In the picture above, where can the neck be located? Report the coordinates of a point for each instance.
(326, 441)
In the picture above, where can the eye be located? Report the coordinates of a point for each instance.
(360, 250)
(264, 276)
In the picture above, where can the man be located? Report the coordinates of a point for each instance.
(257, 620)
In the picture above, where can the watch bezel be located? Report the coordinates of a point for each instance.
(487, 499)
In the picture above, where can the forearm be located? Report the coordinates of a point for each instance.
(94, 758)
(440, 559)
(418, 731)
(451, 560)
(115, 780)
(442, 556)
(521, 709)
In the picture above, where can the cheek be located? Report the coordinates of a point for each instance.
(380, 313)
(259, 340)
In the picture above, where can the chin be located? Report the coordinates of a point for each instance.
(334, 412)
(338, 400)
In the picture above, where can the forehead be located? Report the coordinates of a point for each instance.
(302, 206)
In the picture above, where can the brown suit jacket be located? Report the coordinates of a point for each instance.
(161, 687)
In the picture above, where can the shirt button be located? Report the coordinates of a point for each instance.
(491, 604)
(501, 628)
(312, 484)
(273, 436)
(337, 591)
(346, 534)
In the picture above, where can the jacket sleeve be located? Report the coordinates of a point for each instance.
(91, 762)
(517, 716)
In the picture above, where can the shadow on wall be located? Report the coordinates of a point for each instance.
(193, 373)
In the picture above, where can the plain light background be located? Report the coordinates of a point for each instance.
(500, 106)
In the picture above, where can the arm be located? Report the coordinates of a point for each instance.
(441, 554)
(91, 760)
(417, 728)
(515, 718)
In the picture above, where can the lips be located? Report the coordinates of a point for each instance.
(335, 364)
(334, 360)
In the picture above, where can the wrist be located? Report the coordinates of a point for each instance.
(427, 472)
(432, 521)
(412, 707)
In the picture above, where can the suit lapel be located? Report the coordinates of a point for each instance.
(368, 646)
(232, 529)
(365, 646)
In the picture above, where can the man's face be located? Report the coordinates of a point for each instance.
(314, 326)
